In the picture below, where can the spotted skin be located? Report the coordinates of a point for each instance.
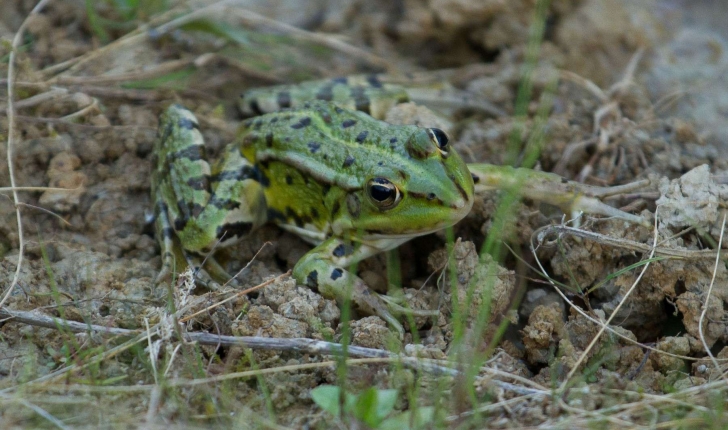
(360, 93)
(310, 170)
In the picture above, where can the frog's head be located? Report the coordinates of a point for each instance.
(424, 187)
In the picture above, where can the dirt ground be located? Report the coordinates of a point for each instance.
(633, 90)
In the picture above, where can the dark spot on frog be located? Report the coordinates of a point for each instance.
(284, 99)
(564, 180)
(257, 124)
(188, 210)
(338, 110)
(235, 229)
(402, 174)
(180, 223)
(269, 140)
(245, 172)
(342, 250)
(292, 215)
(362, 136)
(393, 140)
(303, 122)
(275, 215)
(167, 232)
(354, 205)
(476, 178)
(381, 163)
(260, 175)
(374, 81)
(325, 189)
(312, 279)
(250, 139)
(226, 204)
(199, 183)
(336, 207)
(192, 153)
(274, 120)
(254, 107)
(348, 161)
(314, 213)
(326, 93)
(361, 100)
(348, 123)
(187, 124)
(326, 117)
(289, 179)
(314, 147)
(431, 196)
(336, 274)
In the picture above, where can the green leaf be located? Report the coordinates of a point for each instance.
(406, 421)
(365, 408)
(172, 80)
(386, 400)
(227, 32)
(327, 398)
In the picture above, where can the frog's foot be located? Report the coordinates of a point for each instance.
(207, 272)
(322, 270)
(572, 197)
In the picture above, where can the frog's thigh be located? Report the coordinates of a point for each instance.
(323, 269)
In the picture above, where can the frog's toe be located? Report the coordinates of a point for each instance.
(394, 306)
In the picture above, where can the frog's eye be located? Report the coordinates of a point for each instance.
(440, 139)
(383, 193)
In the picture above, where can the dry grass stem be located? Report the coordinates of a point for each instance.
(707, 301)
(11, 144)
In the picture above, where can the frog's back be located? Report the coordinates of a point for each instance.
(365, 93)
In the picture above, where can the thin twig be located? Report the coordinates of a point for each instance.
(707, 300)
(10, 145)
(301, 345)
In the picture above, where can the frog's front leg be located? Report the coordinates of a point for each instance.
(325, 269)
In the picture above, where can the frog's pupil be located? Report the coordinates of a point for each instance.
(381, 193)
(441, 138)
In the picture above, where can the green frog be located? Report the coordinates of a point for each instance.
(324, 169)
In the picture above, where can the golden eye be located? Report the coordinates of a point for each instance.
(383, 193)
(440, 139)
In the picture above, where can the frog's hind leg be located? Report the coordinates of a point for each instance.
(200, 208)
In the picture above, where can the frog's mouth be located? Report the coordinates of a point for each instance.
(403, 235)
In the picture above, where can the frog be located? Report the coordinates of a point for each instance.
(351, 185)
(317, 160)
